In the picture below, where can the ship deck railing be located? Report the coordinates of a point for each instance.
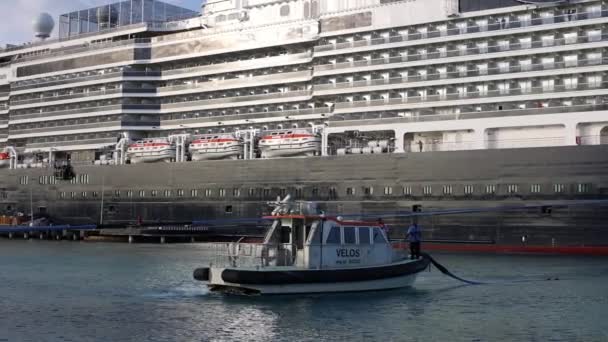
(340, 120)
(458, 74)
(503, 94)
(485, 50)
(235, 254)
(497, 26)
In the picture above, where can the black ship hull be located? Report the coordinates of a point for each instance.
(170, 193)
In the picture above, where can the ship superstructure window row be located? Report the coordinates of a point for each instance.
(384, 59)
(469, 26)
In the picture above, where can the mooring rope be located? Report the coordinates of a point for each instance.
(445, 271)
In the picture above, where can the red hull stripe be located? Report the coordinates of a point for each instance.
(4, 156)
(150, 145)
(287, 136)
(213, 141)
(515, 249)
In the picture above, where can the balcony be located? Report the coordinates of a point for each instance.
(247, 116)
(84, 110)
(240, 65)
(67, 51)
(236, 83)
(77, 128)
(412, 79)
(458, 31)
(345, 120)
(503, 94)
(458, 53)
(68, 79)
(84, 96)
(73, 141)
(237, 99)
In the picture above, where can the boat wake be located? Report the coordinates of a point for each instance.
(182, 290)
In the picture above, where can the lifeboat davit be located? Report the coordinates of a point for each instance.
(151, 151)
(5, 160)
(216, 146)
(290, 143)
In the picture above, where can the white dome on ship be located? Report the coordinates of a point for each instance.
(43, 25)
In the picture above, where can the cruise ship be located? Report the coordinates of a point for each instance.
(145, 112)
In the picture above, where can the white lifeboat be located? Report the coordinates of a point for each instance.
(216, 146)
(290, 143)
(5, 160)
(151, 151)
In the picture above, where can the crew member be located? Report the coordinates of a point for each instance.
(414, 236)
(383, 226)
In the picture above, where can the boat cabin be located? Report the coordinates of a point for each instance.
(316, 242)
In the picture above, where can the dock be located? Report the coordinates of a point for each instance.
(135, 234)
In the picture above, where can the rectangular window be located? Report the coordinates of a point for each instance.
(167, 193)
(251, 192)
(315, 192)
(378, 236)
(180, 192)
(350, 191)
(388, 190)
(266, 193)
(368, 190)
(535, 188)
(236, 192)
(559, 188)
(364, 236)
(194, 193)
(154, 193)
(334, 236)
(72, 194)
(333, 193)
(222, 192)
(447, 189)
(512, 188)
(84, 194)
(583, 188)
(427, 190)
(208, 192)
(62, 195)
(490, 189)
(350, 235)
(469, 189)
(116, 193)
(129, 193)
(95, 194)
(407, 190)
(142, 193)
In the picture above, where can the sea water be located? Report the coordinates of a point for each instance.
(70, 291)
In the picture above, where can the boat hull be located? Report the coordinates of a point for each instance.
(290, 280)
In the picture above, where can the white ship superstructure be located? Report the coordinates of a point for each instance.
(369, 76)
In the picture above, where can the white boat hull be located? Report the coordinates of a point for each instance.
(155, 158)
(216, 155)
(369, 285)
(291, 150)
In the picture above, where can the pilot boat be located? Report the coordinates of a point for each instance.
(312, 253)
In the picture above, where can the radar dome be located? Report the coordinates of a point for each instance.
(43, 25)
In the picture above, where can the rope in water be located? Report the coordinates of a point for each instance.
(445, 271)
